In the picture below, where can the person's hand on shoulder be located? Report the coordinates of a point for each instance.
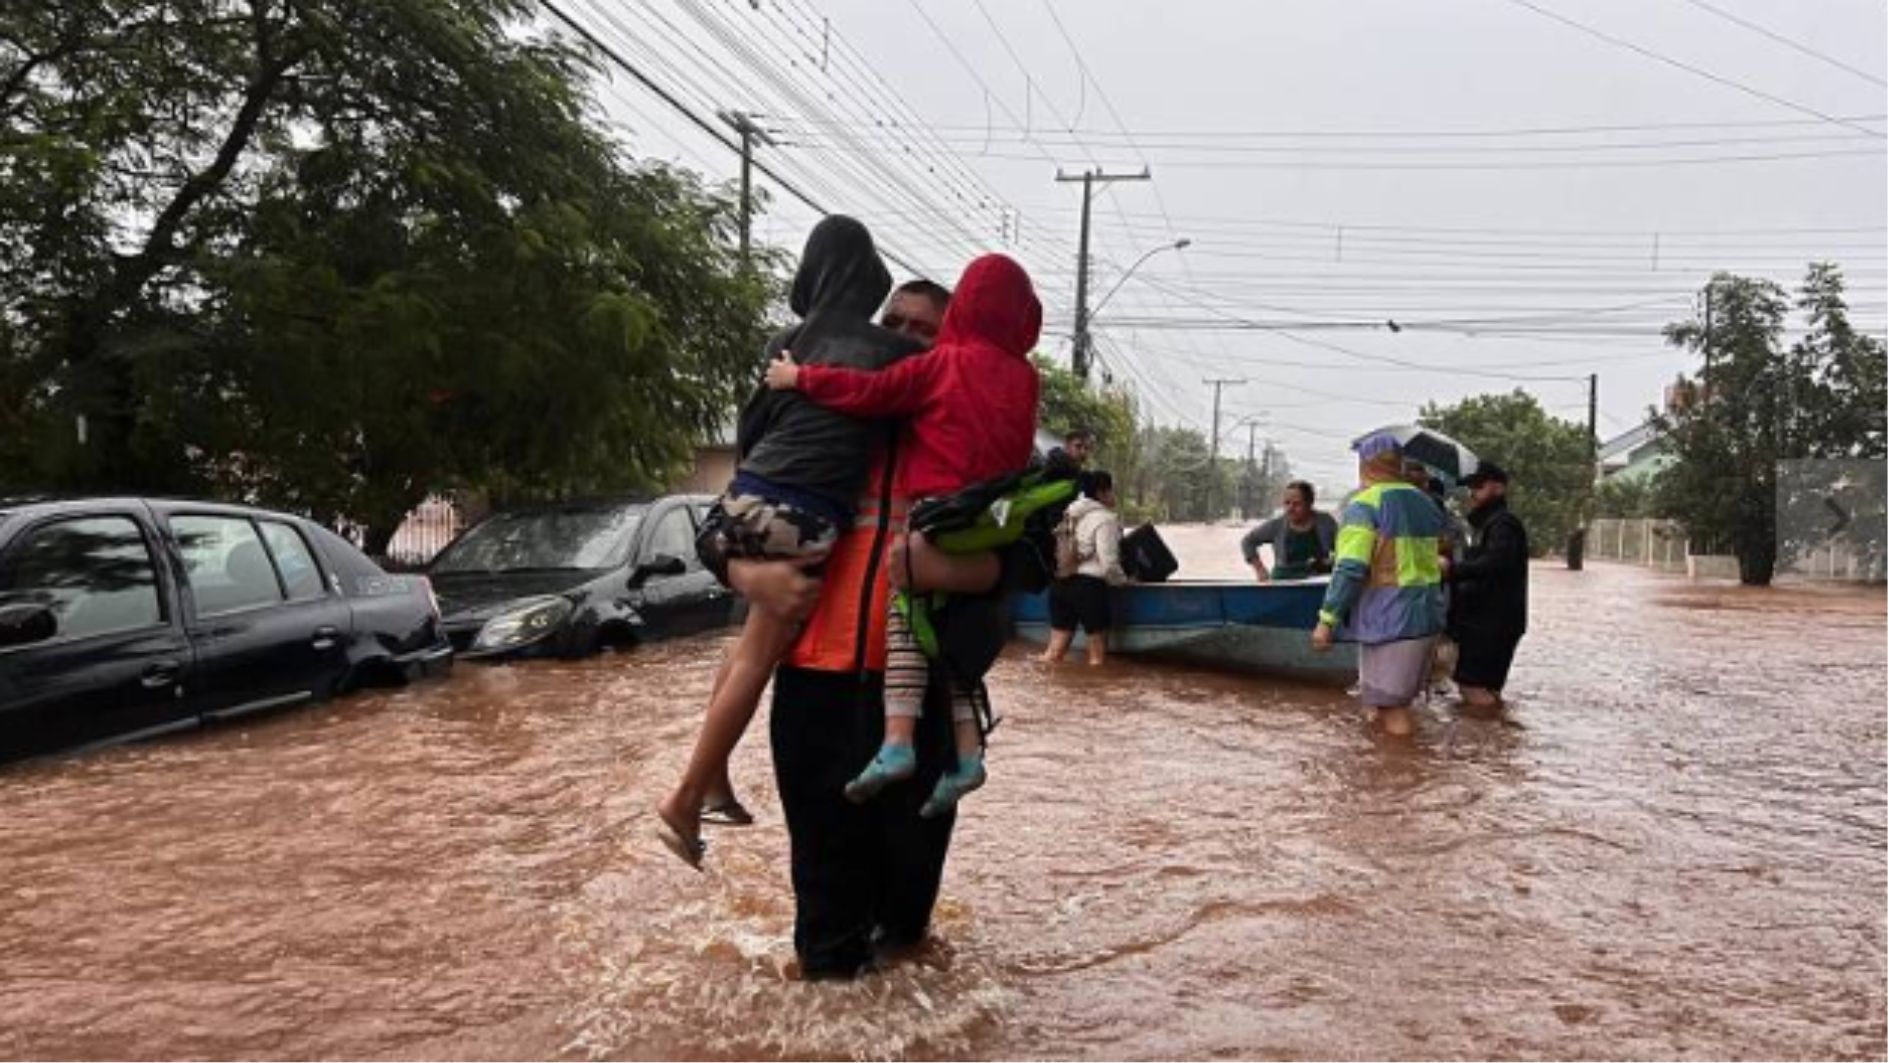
(784, 373)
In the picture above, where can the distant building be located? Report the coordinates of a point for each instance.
(714, 465)
(1635, 455)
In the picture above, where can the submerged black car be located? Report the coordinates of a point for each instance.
(126, 617)
(569, 579)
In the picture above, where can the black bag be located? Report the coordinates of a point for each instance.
(1145, 558)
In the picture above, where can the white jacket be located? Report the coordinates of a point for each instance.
(1098, 534)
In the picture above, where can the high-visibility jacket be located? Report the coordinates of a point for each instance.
(1386, 580)
(847, 630)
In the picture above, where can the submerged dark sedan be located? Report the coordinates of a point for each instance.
(126, 617)
(569, 579)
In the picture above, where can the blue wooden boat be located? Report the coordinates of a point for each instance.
(1243, 626)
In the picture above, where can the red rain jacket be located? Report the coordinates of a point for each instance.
(971, 401)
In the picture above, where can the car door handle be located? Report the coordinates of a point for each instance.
(325, 637)
(160, 674)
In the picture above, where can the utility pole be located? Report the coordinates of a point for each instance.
(750, 134)
(1079, 341)
(1214, 444)
(1578, 539)
(1594, 386)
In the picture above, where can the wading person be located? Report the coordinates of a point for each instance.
(1489, 590)
(971, 405)
(1089, 545)
(916, 310)
(800, 474)
(1301, 536)
(1386, 577)
(865, 876)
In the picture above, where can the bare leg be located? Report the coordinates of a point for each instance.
(917, 562)
(1396, 720)
(1059, 645)
(721, 792)
(1096, 644)
(751, 661)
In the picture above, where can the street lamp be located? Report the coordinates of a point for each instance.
(1080, 341)
(1137, 264)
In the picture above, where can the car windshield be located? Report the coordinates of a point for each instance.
(578, 537)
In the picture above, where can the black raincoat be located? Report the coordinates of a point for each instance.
(1489, 588)
(781, 435)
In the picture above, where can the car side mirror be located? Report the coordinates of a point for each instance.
(660, 565)
(26, 623)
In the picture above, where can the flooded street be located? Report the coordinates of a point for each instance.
(1676, 850)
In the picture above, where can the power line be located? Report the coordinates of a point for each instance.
(1788, 42)
(1694, 70)
(1586, 164)
(1408, 134)
(1225, 148)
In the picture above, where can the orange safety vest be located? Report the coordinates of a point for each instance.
(830, 639)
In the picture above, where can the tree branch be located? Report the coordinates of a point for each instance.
(159, 248)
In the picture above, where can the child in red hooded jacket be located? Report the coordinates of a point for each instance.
(970, 405)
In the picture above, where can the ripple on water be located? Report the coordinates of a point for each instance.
(1678, 852)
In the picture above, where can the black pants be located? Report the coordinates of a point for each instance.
(863, 874)
(1484, 656)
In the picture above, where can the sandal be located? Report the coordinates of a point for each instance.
(729, 813)
(688, 850)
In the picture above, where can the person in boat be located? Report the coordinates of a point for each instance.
(1079, 445)
(795, 487)
(970, 406)
(1489, 587)
(1302, 538)
(1089, 547)
(1386, 590)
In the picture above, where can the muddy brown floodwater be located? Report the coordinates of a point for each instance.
(1677, 850)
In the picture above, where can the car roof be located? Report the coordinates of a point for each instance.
(603, 503)
(159, 505)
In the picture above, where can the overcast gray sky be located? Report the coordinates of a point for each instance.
(1492, 174)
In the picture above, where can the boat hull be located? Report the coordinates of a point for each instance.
(1250, 627)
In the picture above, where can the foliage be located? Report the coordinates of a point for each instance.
(1757, 403)
(1550, 461)
(1622, 497)
(1067, 403)
(332, 256)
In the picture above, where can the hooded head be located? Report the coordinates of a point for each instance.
(994, 303)
(840, 271)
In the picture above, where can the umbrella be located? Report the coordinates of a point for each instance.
(1444, 455)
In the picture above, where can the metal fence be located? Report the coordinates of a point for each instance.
(1652, 543)
(1662, 544)
(425, 532)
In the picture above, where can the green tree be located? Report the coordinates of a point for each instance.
(1067, 402)
(332, 256)
(1619, 497)
(1757, 403)
(1177, 481)
(1550, 461)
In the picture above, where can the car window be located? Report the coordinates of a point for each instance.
(95, 573)
(674, 535)
(226, 564)
(293, 560)
(569, 537)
